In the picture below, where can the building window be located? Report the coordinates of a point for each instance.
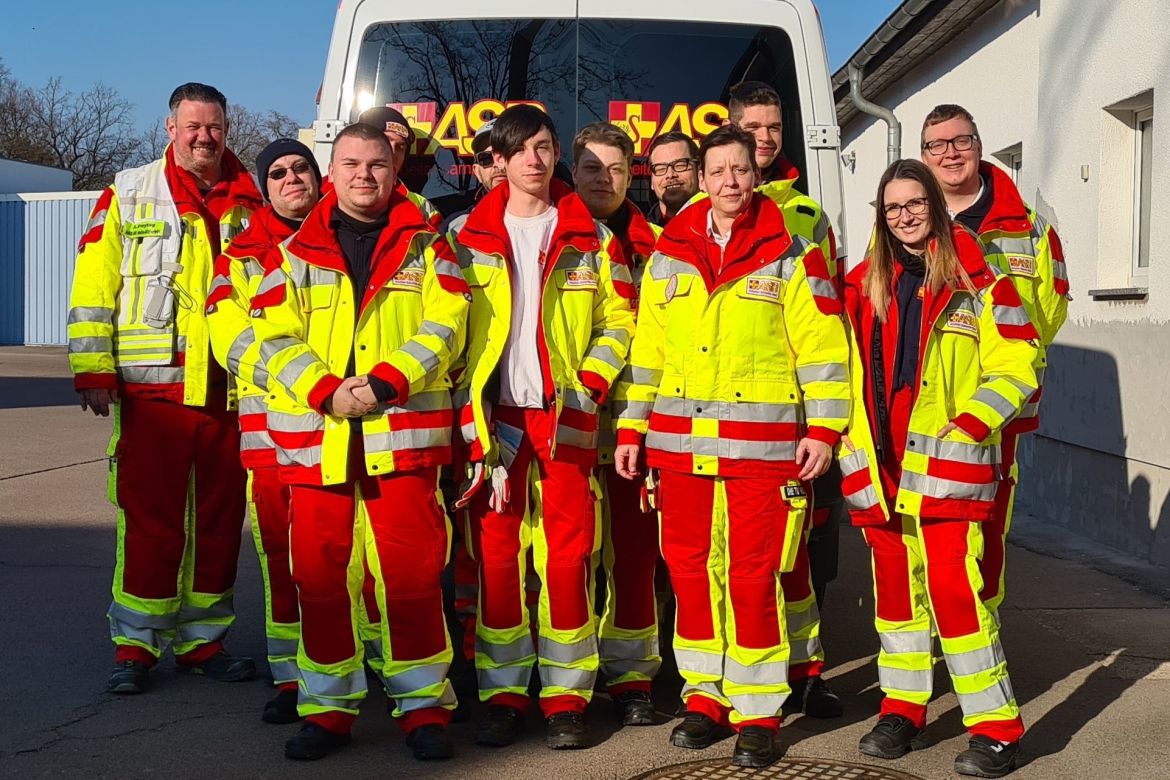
(1012, 159)
(1143, 155)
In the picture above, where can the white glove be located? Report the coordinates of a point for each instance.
(501, 490)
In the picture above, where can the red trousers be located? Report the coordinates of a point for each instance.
(270, 530)
(992, 566)
(404, 542)
(180, 490)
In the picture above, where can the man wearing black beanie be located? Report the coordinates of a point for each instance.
(290, 182)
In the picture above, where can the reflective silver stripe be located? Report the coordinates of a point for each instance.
(504, 677)
(516, 651)
(283, 671)
(239, 346)
(430, 401)
(427, 358)
(217, 282)
(621, 336)
(98, 218)
(280, 647)
(822, 288)
(822, 372)
(619, 667)
(220, 610)
(821, 230)
(859, 500)
(896, 642)
(90, 314)
(802, 651)
(910, 680)
(1002, 406)
(151, 375)
(799, 619)
(576, 399)
(287, 422)
(826, 408)
(663, 267)
(295, 369)
(445, 267)
(202, 632)
(758, 705)
(957, 451)
(334, 686)
(271, 281)
(1010, 315)
(853, 462)
(615, 649)
(82, 344)
(722, 446)
(160, 349)
(770, 673)
(408, 439)
(444, 332)
(270, 348)
(252, 404)
(637, 375)
(574, 437)
(937, 487)
(990, 699)
(445, 699)
(1011, 246)
(568, 678)
(983, 659)
(131, 617)
(631, 410)
(572, 260)
(562, 653)
(742, 411)
(700, 662)
(606, 354)
(255, 440)
(303, 456)
(416, 678)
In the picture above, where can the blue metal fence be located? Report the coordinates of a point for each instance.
(38, 245)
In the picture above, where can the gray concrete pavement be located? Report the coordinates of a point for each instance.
(1089, 653)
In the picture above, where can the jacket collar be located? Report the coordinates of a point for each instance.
(1008, 212)
(234, 188)
(780, 170)
(758, 237)
(265, 230)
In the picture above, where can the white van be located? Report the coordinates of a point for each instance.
(449, 66)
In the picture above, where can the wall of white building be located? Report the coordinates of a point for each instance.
(25, 177)
(1062, 78)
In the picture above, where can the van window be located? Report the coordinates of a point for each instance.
(449, 77)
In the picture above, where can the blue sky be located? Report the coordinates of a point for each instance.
(127, 45)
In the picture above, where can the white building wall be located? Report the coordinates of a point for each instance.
(1043, 73)
(25, 177)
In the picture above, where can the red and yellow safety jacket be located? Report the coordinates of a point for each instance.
(976, 353)
(405, 328)
(584, 329)
(739, 353)
(1020, 243)
(144, 267)
(636, 245)
(238, 273)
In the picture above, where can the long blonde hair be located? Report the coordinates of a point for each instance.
(943, 268)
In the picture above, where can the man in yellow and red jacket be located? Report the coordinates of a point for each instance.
(139, 343)
(290, 183)
(550, 325)
(1020, 244)
(358, 321)
(628, 633)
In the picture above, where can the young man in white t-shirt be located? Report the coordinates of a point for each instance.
(550, 326)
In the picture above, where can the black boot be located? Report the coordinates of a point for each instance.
(696, 732)
(566, 731)
(313, 742)
(501, 727)
(223, 667)
(129, 677)
(755, 747)
(986, 757)
(430, 743)
(892, 737)
(636, 708)
(814, 698)
(281, 708)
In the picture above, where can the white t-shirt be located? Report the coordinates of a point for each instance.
(521, 382)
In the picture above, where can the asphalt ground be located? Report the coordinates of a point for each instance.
(1089, 653)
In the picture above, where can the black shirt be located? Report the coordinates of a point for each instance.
(972, 217)
(909, 295)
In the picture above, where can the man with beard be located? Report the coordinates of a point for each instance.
(674, 174)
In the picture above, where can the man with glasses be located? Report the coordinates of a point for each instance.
(487, 173)
(674, 175)
(1020, 243)
(290, 183)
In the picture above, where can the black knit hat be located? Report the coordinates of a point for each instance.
(274, 151)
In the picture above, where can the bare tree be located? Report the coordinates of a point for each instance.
(19, 139)
(250, 131)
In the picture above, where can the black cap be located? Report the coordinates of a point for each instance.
(387, 120)
(274, 151)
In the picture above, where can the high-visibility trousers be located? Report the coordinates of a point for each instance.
(628, 634)
(806, 656)
(268, 508)
(726, 541)
(993, 564)
(553, 510)
(176, 478)
(394, 525)
(466, 576)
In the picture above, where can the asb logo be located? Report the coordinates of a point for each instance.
(643, 120)
(455, 128)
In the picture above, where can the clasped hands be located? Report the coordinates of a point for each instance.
(354, 397)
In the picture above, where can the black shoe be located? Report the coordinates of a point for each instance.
(696, 732)
(430, 743)
(986, 757)
(129, 677)
(501, 727)
(281, 708)
(892, 737)
(814, 698)
(755, 747)
(636, 708)
(223, 667)
(313, 742)
(566, 731)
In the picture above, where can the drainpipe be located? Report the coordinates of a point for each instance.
(894, 136)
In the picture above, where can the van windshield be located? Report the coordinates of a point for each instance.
(449, 77)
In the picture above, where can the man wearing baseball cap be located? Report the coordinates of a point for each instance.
(290, 182)
(487, 173)
(398, 132)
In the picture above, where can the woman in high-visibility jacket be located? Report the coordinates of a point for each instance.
(738, 383)
(943, 360)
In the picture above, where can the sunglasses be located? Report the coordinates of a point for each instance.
(485, 159)
(298, 169)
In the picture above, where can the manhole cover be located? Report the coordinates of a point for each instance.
(785, 769)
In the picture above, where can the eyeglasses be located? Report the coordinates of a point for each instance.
(916, 207)
(681, 165)
(962, 143)
(485, 159)
(298, 169)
